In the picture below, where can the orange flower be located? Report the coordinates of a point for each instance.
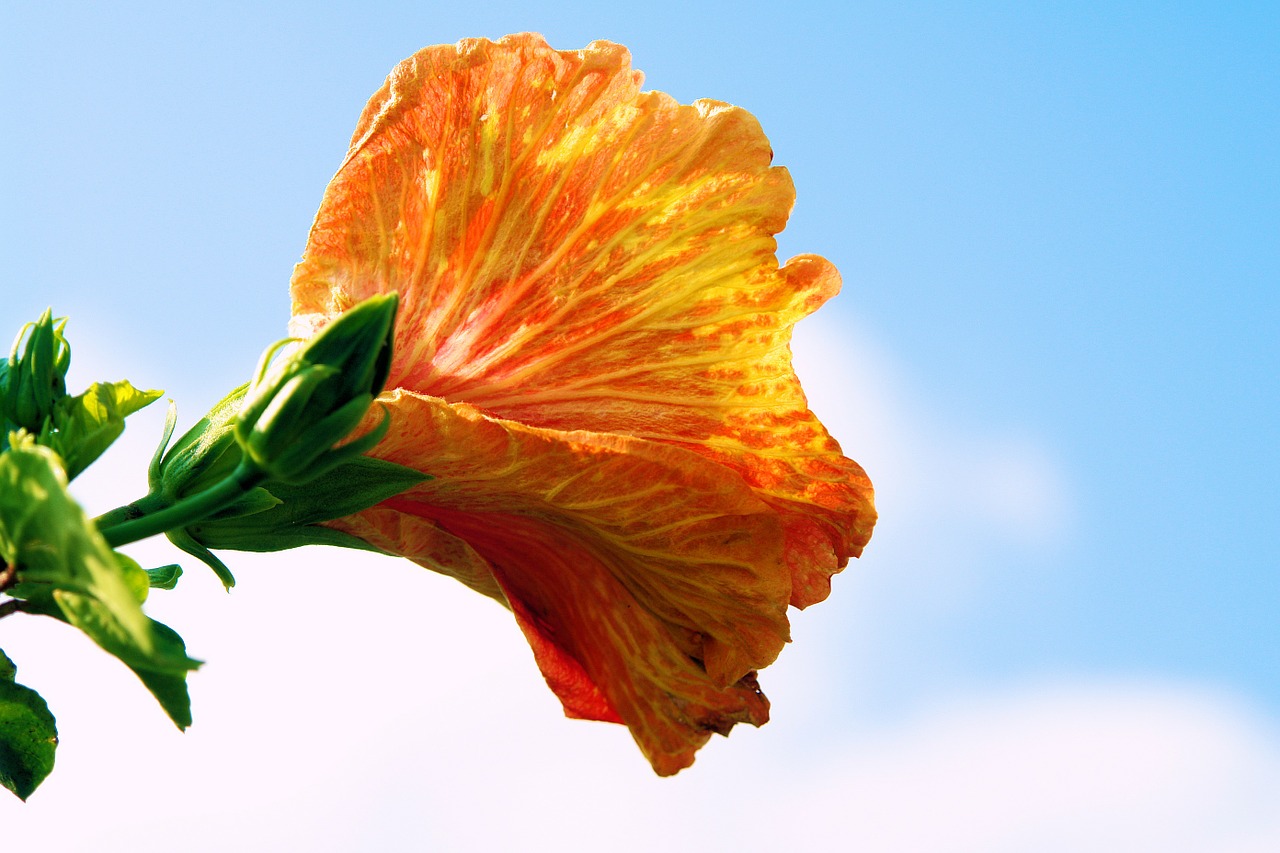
(592, 361)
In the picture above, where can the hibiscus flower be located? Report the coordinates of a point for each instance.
(592, 361)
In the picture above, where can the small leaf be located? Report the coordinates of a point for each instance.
(164, 577)
(46, 534)
(135, 577)
(87, 424)
(28, 738)
(8, 671)
(99, 622)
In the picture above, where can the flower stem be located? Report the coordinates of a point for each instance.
(123, 525)
(153, 502)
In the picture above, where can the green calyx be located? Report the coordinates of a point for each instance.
(302, 403)
(270, 463)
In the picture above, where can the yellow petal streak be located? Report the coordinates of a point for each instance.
(649, 580)
(576, 254)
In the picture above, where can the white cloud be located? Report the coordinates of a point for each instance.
(1066, 766)
(358, 703)
(929, 467)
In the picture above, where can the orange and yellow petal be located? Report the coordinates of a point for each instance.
(650, 581)
(574, 253)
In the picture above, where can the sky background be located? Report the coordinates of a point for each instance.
(1055, 354)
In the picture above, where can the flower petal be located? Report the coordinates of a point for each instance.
(649, 581)
(576, 254)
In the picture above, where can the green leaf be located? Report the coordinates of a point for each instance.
(135, 577)
(168, 686)
(28, 738)
(66, 570)
(87, 424)
(46, 534)
(28, 735)
(163, 671)
(164, 577)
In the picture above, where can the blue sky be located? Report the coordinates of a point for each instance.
(1056, 354)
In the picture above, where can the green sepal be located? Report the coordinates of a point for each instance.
(164, 577)
(287, 538)
(28, 734)
(334, 458)
(304, 401)
(84, 426)
(268, 426)
(254, 501)
(184, 540)
(354, 485)
(204, 455)
(153, 468)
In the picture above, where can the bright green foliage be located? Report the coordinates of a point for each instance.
(262, 471)
(28, 735)
(164, 577)
(163, 670)
(66, 570)
(84, 426)
(45, 533)
(135, 577)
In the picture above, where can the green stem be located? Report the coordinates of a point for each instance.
(153, 502)
(131, 528)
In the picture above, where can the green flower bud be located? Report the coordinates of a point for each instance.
(268, 464)
(34, 378)
(305, 401)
